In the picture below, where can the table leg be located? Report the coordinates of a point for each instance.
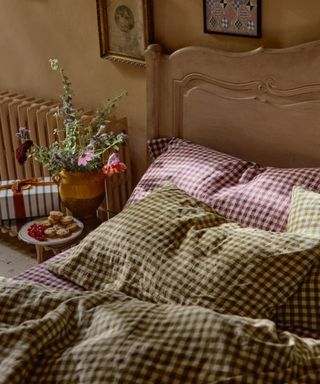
(39, 251)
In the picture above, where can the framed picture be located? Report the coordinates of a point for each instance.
(232, 17)
(125, 29)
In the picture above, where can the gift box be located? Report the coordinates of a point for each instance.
(20, 199)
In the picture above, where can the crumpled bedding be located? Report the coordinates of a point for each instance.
(171, 248)
(55, 336)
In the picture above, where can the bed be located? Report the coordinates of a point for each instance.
(210, 274)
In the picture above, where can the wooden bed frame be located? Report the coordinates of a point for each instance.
(262, 105)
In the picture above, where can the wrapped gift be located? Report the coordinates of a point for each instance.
(20, 199)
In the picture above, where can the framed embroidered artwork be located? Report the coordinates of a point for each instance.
(232, 17)
(125, 29)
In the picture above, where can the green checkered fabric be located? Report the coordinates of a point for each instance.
(304, 212)
(51, 336)
(171, 248)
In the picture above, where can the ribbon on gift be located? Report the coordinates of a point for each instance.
(17, 187)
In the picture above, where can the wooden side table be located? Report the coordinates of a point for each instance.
(55, 245)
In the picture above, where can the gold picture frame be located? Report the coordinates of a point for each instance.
(125, 29)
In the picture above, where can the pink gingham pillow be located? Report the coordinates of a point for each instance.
(262, 197)
(157, 146)
(198, 170)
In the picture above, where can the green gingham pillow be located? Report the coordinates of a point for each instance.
(171, 248)
(302, 311)
(304, 212)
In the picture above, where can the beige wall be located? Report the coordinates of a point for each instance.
(284, 23)
(32, 31)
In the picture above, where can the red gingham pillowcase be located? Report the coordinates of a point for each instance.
(198, 170)
(157, 146)
(262, 197)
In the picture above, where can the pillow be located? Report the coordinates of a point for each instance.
(262, 197)
(198, 170)
(302, 311)
(304, 213)
(239, 190)
(171, 248)
(157, 146)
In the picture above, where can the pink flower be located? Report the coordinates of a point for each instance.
(113, 165)
(85, 157)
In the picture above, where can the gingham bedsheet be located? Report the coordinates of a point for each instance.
(52, 336)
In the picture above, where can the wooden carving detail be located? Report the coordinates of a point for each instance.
(258, 89)
(265, 91)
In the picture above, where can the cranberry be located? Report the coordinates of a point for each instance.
(37, 231)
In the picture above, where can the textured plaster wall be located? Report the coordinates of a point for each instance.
(32, 31)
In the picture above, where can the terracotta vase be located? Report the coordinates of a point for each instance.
(82, 192)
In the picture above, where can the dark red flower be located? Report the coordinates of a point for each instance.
(22, 151)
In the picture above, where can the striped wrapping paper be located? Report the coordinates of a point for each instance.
(38, 200)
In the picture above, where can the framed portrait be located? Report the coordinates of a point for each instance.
(125, 29)
(232, 17)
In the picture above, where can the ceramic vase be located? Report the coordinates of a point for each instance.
(82, 192)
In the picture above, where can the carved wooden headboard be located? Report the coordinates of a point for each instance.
(262, 105)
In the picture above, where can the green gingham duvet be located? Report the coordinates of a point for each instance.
(176, 294)
(172, 248)
(50, 336)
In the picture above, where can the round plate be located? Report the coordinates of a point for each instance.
(23, 234)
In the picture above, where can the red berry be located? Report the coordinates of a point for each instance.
(37, 232)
